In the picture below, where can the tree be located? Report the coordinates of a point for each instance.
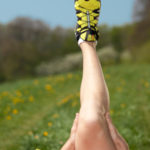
(116, 39)
(23, 45)
(141, 10)
(141, 16)
(104, 39)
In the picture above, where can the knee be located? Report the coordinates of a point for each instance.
(92, 116)
(91, 123)
(89, 130)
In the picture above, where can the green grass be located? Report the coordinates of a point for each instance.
(39, 113)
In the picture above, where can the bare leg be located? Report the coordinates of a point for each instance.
(93, 84)
(119, 141)
(93, 132)
(70, 144)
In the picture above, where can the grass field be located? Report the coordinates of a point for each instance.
(38, 113)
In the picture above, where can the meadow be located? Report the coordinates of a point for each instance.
(36, 114)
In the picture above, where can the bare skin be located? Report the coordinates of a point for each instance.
(95, 130)
(70, 144)
(119, 142)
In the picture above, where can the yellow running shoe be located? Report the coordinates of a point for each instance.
(87, 12)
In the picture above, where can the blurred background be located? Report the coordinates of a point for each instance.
(41, 70)
(35, 35)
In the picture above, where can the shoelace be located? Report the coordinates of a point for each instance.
(88, 21)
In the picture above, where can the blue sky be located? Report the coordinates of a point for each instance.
(61, 12)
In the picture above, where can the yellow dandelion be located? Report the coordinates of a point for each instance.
(48, 87)
(45, 133)
(31, 98)
(37, 149)
(8, 108)
(146, 84)
(119, 89)
(69, 75)
(17, 100)
(123, 105)
(18, 93)
(107, 76)
(5, 93)
(55, 116)
(60, 79)
(35, 82)
(111, 112)
(50, 124)
(65, 100)
(8, 117)
(15, 111)
(74, 104)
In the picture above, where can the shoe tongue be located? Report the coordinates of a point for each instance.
(89, 4)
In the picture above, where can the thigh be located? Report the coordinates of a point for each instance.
(93, 135)
(93, 132)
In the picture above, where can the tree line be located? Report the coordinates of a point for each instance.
(26, 43)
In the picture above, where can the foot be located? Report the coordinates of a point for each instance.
(118, 140)
(87, 12)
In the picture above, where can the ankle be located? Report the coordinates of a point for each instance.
(87, 44)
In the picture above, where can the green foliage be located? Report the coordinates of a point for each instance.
(39, 113)
(116, 37)
(68, 63)
(107, 55)
(142, 21)
(142, 53)
(70, 44)
(27, 44)
(105, 36)
(127, 35)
